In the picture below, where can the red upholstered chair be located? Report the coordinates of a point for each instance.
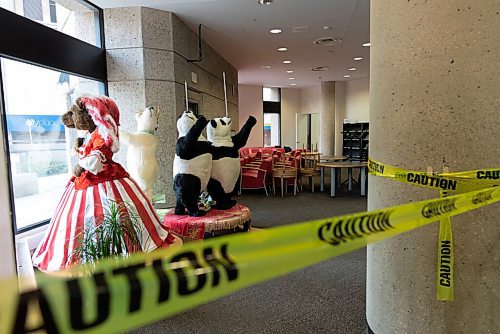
(253, 177)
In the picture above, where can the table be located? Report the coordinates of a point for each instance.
(330, 158)
(335, 170)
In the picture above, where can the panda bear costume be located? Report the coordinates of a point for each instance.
(225, 159)
(192, 164)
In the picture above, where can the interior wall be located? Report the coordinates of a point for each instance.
(208, 90)
(310, 100)
(250, 104)
(290, 105)
(357, 100)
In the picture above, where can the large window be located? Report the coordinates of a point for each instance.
(272, 116)
(39, 144)
(37, 87)
(75, 18)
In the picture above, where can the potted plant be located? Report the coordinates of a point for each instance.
(115, 233)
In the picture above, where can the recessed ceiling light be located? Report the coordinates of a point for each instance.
(367, 44)
(358, 58)
(265, 2)
(352, 69)
(347, 76)
(289, 71)
(293, 84)
(328, 41)
(282, 49)
(291, 78)
(265, 66)
(275, 31)
(320, 68)
(287, 61)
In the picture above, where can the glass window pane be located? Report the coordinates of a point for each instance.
(72, 17)
(39, 145)
(272, 130)
(271, 94)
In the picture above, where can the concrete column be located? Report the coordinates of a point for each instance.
(327, 118)
(433, 101)
(141, 73)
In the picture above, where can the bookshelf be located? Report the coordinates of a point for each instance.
(355, 141)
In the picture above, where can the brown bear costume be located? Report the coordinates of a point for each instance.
(97, 179)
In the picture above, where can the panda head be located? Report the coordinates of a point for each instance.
(186, 122)
(219, 130)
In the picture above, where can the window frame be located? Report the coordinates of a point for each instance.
(33, 43)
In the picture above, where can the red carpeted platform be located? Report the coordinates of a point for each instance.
(213, 223)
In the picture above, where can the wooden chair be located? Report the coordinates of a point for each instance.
(308, 168)
(285, 171)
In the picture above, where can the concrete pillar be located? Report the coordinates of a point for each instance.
(141, 73)
(327, 118)
(433, 101)
(340, 112)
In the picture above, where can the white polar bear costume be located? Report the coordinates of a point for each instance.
(142, 147)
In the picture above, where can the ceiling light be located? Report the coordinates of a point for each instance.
(293, 84)
(367, 44)
(320, 68)
(265, 2)
(287, 61)
(291, 78)
(352, 69)
(347, 76)
(289, 71)
(265, 67)
(282, 49)
(275, 31)
(327, 28)
(328, 41)
(358, 58)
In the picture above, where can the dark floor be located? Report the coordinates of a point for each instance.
(328, 297)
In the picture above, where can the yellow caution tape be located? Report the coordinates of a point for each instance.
(445, 283)
(454, 182)
(457, 182)
(121, 294)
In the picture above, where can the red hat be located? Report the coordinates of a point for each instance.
(106, 116)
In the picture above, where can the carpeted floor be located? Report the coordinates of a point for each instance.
(328, 297)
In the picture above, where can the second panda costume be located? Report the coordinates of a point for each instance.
(225, 159)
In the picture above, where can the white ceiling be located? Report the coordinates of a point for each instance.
(239, 31)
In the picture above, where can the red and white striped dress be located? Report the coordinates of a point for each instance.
(82, 204)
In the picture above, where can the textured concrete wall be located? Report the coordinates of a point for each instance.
(433, 101)
(327, 118)
(210, 88)
(147, 52)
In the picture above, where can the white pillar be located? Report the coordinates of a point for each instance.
(433, 101)
(327, 118)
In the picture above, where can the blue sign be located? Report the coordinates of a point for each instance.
(34, 123)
